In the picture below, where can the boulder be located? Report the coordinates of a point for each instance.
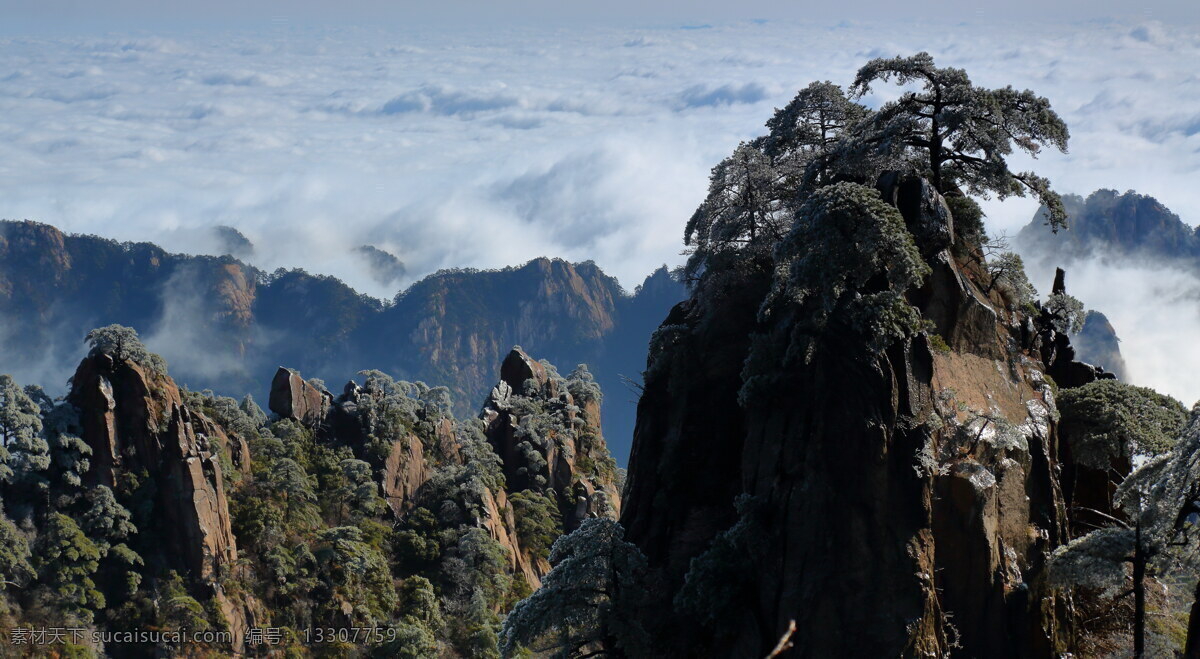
(925, 211)
(519, 367)
(294, 398)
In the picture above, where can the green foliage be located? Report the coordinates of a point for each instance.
(1156, 533)
(120, 573)
(177, 609)
(122, 343)
(847, 264)
(417, 543)
(253, 412)
(1066, 313)
(15, 567)
(593, 595)
(359, 494)
(317, 544)
(743, 215)
(1096, 560)
(357, 584)
(716, 587)
(413, 641)
(19, 415)
(20, 424)
(419, 603)
(1106, 420)
(241, 419)
(938, 344)
(1007, 273)
(804, 134)
(65, 561)
(29, 457)
(105, 520)
(958, 133)
(1164, 496)
(477, 561)
(538, 521)
(968, 221)
(392, 410)
(70, 460)
(288, 482)
(582, 385)
(69, 456)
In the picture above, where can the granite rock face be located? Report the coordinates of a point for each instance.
(564, 453)
(135, 422)
(294, 398)
(904, 502)
(924, 210)
(404, 472)
(572, 464)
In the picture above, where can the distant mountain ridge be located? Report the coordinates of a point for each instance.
(1128, 224)
(226, 325)
(1119, 227)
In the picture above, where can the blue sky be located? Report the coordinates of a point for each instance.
(464, 138)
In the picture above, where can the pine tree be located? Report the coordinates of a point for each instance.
(590, 597)
(961, 132)
(66, 561)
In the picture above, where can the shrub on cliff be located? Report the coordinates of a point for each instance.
(538, 521)
(1066, 313)
(590, 597)
(847, 263)
(1108, 420)
(1159, 533)
(120, 342)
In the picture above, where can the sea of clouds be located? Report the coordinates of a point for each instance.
(485, 148)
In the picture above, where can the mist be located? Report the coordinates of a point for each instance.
(1154, 308)
(482, 148)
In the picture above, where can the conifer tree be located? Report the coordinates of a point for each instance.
(961, 134)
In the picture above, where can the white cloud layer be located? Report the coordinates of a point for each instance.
(1155, 310)
(487, 148)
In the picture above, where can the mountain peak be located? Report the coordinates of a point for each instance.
(1106, 221)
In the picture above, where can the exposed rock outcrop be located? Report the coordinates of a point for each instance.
(136, 423)
(404, 472)
(924, 210)
(294, 398)
(519, 367)
(907, 499)
(501, 524)
(549, 441)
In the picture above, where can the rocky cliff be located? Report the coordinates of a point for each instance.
(899, 502)
(225, 325)
(545, 440)
(163, 508)
(546, 430)
(139, 429)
